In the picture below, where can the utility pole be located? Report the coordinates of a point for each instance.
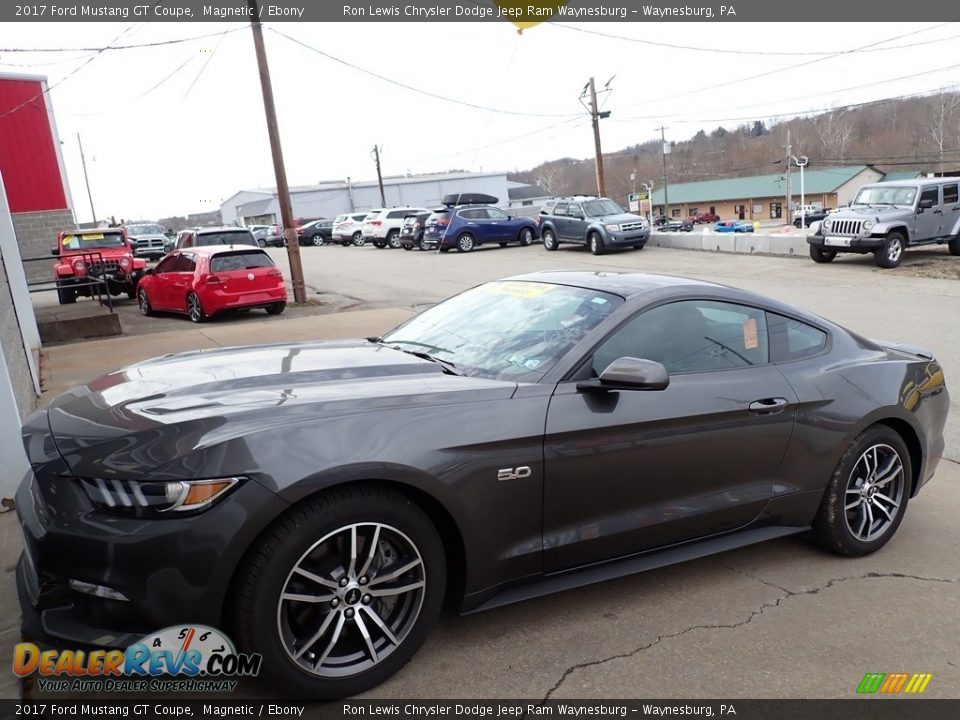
(86, 179)
(283, 190)
(596, 115)
(595, 119)
(376, 157)
(789, 186)
(350, 193)
(666, 196)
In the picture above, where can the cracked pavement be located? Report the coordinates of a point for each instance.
(778, 619)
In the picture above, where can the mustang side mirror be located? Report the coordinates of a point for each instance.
(55, 251)
(629, 373)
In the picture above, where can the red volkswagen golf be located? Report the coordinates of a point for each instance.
(202, 281)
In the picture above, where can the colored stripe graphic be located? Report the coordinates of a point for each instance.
(871, 682)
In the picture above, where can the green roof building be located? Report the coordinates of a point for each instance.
(763, 197)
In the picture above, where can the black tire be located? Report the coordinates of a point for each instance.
(275, 308)
(66, 295)
(345, 243)
(639, 246)
(465, 243)
(595, 243)
(421, 245)
(408, 247)
(264, 623)
(550, 240)
(890, 255)
(832, 527)
(445, 249)
(819, 255)
(379, 244)
(261, 243)
(195, 309)
(526, 237)
(317, 240)
(357, 239)
(954, 245)
(393, 239)
(503, 244)
(146, 309)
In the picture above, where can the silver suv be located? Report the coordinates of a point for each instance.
(886, 218)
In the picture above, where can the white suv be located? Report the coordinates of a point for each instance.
(382, 226)
(348, 228)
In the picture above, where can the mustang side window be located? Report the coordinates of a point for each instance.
(691, 336)
(793, 340)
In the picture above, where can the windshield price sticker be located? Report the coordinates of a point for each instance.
(519, 289)
(750, 338)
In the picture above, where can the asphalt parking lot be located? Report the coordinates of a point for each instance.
(782, 619)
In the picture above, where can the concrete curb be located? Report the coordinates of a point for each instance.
(745, 243)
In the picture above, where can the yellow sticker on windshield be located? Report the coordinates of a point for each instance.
(518, 289)
(93, 236)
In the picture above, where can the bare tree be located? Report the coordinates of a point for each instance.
(834, 129)
(549, 177)
(941, 117)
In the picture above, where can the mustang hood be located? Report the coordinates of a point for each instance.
(146, 415)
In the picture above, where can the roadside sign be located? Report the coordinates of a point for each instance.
(638, 202)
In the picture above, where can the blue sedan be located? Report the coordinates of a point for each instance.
(465, 227)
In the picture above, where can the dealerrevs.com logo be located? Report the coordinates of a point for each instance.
(191, 658)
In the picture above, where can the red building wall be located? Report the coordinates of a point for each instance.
(28, 155)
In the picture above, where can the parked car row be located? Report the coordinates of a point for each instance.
(205, 271)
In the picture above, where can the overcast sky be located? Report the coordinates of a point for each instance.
(179, 128)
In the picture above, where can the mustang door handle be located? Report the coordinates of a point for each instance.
(768, 405)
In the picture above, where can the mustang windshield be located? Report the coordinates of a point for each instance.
(881, 195)
(506, 329)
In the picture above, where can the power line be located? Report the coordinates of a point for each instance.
(785, 69)
(111, 47)
(202, 69)
(66, 77)
(800, 113)
(420, 91)
(727, 51)
(178, 69)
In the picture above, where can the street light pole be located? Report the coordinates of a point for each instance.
(801, 162)
(649, 188)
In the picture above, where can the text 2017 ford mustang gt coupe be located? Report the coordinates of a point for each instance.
(320, 501)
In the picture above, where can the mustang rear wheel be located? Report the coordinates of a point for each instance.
(867, 495)
(341, 592)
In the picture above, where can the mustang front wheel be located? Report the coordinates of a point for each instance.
(353, 581)
(867, 495)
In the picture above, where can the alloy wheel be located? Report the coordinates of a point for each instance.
(465, 243)
(526, 236)
(351, 599)
(143, 301)
(194, 308)
(874, 492)
(894, 250)
(317, 240)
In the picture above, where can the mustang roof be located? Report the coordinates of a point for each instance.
(624, 284)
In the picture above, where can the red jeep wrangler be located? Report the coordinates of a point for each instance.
(99, 254)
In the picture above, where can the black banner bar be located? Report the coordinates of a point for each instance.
(520, 12)
(874, 708)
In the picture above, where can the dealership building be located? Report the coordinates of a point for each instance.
(329, 199)
(762, 197)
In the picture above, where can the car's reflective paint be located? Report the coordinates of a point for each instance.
(610, 474)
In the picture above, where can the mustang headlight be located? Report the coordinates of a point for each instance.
(612, 228)
(148, 498)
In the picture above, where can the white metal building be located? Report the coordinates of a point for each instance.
(327, 200)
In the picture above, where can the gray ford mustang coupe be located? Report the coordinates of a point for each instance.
(321, 501)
